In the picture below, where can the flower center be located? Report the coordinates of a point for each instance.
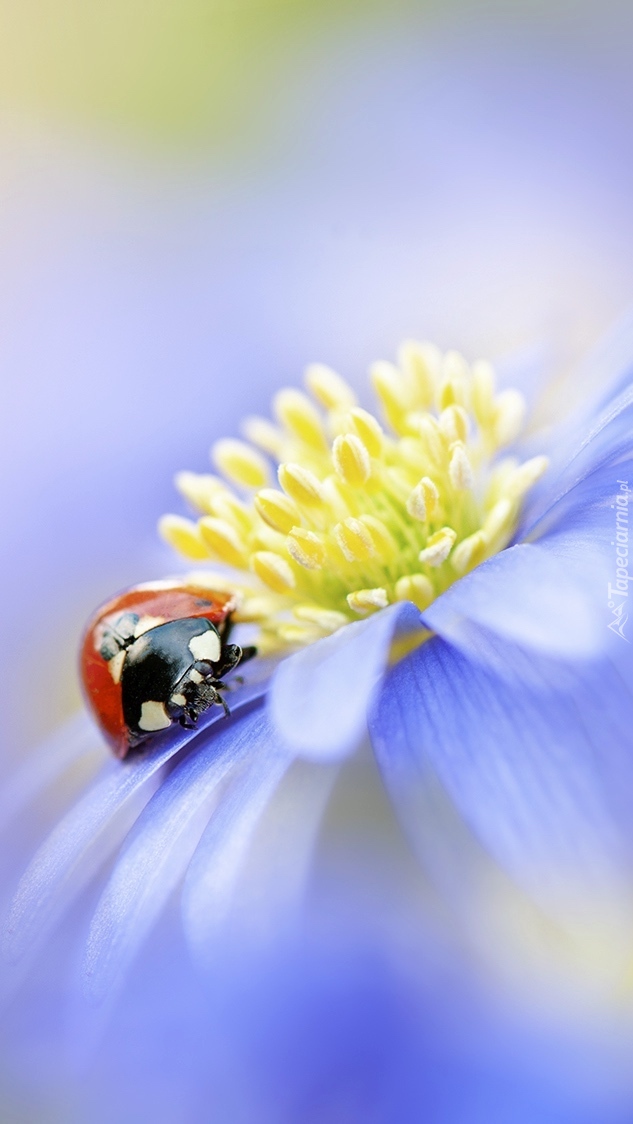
(364, 514)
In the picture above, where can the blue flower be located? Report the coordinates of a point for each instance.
(502, 736)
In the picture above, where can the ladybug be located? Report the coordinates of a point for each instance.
(154, 657)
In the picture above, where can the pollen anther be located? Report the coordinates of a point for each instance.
(422, 502)
(240, 463)
(369, 429)
(364, 601)
(222, 540)
(363, 516)
(351, 460)
(299, 416)
(416, 588)
(306, 548)
(273, 570)
(328, 387)
(460, 469)
(184, 536)
(354, 540)
(300, 484)
(438, 547)
(277, 510)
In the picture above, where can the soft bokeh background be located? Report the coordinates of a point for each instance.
(198, 198)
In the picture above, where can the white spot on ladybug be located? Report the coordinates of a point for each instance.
(195, 676)
(115, 665)
(178, 700)
(206, 646)
(154, 717)
(145, 624)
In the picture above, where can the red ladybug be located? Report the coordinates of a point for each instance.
(154, 656)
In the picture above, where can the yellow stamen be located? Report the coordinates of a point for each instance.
(354, 540)
(240, 463)
(277, 510)
(421, 364)
(438, 547)
(306, 548)
(328, 620)
(422, 502)
(300, 484)
(454, 423)
(499, 519)
(329, 388)
(364, 601)
(453, 389)
(508, 415)
(390, 388)
(483, 392)
(261, 432)
(226, 506)
(273, 570)
(199, 489)
(256, 608)
(299, 416)
(525, 476)
(430, 438)
(469, 552)
(298, 635)
(222, 541)
(384, 544)
(459, 469)
(362, 516)
(369, 430)
(416, 588)
(184, 536)
(351, 460)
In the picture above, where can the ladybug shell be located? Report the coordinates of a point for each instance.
(161, 601)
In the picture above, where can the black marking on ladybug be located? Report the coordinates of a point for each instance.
(171, 673)
(119, 636)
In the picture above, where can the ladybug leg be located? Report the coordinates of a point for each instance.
(225, 630)
(193, 697)
(208, 694)
(230, 657)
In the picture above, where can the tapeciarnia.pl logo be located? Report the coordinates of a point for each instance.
(617, 593)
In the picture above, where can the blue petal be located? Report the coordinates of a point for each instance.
(257, 890)
(74, 851)
(159, 849)
(604, 439)
(75, 740)
(540, 771)
(319, 697)
(219, 859)
(525, 594)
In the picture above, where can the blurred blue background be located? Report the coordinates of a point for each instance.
(198, 199)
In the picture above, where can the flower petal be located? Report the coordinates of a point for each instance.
(319, 697)
(218, 860)
(604, 439)
(75, 849)
(74, 740)
(525, 594)
(159, 849)
(91, 831)
(539, 771)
